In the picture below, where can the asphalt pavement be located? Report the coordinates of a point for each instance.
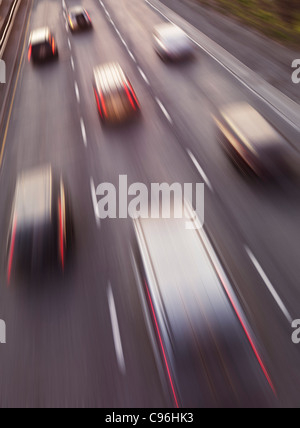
(61, 348)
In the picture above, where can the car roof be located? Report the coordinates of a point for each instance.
(40, 35)
(109, 77)
(249, 125)
(180, 271)
(169, 31)
(76, 10)
(33, 197)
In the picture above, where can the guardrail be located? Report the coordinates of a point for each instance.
(7, 25)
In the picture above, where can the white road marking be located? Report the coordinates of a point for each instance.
(69, 43)
(72, 63)
(269, 285)
(83, 131)
(143, 76)
(200, 170)
(115, 329)
(95, 205)
(132, 56)
(164, 110)
(125, 44)
(77, 92)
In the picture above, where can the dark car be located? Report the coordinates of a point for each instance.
(42, 46)
(115, 97)
(41, 230)
(79, 19)
(252, 143)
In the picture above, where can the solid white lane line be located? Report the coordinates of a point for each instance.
(115, 329)
(83, 132)
(72, 63)
(269, 285)
(163, 109)
(143, 76)
(200, 170)
(77, 92)
(94, 200)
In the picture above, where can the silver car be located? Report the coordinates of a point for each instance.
(209, 356)
(171, 43)
(251, 141)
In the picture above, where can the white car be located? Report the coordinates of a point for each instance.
(171, 43)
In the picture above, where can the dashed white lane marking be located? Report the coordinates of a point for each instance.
(269, 285)
(200, 170)
(164, 110)
(116, 329)
(83, 132)
(69, 43)
(72, 63)
(95, 205)
(132, 56)
(77, 92)
(143, 76)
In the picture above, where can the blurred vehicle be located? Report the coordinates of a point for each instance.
(115, 97)
(42, 46)
(199, 327)
(171, 43)
(79, 19)
(251, 141)
(41, 228)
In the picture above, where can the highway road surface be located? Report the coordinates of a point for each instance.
(83, 340)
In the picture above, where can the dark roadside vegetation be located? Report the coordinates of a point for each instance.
(279, 19)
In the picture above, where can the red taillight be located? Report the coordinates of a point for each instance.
(98, 102)
(53, 46)
(129, 97)
(103, 104)
(88, 16)
(133, 94)
(29, 52)
(61, 235)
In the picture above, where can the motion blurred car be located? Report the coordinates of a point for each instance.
(199, 327)
(115, 97)
(79, 19)
(42, 46)
(41, 228)
(251, 141)
(171, 43)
